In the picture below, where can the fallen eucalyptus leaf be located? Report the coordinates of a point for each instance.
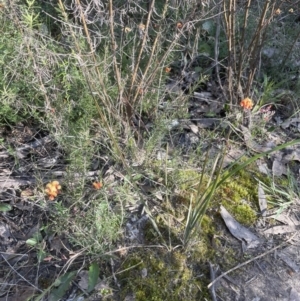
(278, 168)
(262, 200)
(287, 256)
(285, 219)
(238, 231)
(263, 168)
(281, 229)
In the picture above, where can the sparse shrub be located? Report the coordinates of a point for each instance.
(95, 76)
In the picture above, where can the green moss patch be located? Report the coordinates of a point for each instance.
(239, 196)
(159, 275)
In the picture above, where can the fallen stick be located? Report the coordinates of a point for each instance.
(212, 277)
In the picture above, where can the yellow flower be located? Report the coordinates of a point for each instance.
(247, 103)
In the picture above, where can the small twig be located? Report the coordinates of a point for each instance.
(142, 48)
(71, 260)
(212, 278)
(112, 264)
(250, 260)
(242, 43)
(254, 47)
(217, 37)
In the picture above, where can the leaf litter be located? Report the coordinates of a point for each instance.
(289, 256)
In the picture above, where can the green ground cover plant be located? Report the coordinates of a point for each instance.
(95, 76)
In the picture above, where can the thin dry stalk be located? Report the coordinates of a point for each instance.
(160, 63)
(229, 14)
(254, 48)
(242, 45)
(216, 49)
(248, 56)
(105, 99)
(114, 47)
(149, 73)
(142, 48)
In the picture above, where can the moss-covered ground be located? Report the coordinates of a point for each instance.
(170, 272)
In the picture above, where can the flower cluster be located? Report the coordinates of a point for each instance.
(247, 103)
(179, 25)
(52, 190)
(97, 185)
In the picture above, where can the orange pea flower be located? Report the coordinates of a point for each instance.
(97, 185)
(179, 25)
(142, 26)
(168, 69)
(247, 103)
(52, 190)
